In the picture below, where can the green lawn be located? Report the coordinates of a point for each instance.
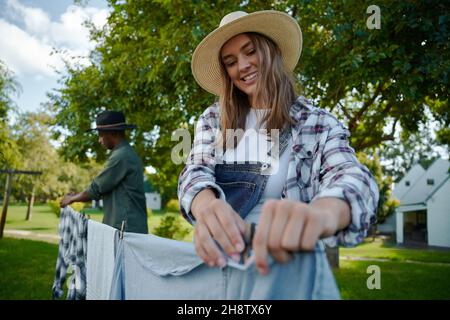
(27, 272)
(45, 221)
(42, 220)
(380, 249)
(27, 269)
(399, 280)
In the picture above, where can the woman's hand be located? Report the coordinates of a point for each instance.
(287, 226)
(216, 220)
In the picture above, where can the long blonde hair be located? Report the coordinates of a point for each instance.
(275, 90)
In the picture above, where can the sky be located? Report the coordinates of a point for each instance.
(31, 30)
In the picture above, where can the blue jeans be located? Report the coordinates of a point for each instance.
(243, 185)
(150, 267)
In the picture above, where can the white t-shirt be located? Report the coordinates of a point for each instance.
(253, 148)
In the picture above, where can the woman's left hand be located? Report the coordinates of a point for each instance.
(287, 226)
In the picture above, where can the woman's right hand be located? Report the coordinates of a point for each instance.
(216, 220)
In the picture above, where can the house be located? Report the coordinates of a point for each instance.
(423, 217)
(152, 197)
(389, 226)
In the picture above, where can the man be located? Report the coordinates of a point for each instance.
(120, 184)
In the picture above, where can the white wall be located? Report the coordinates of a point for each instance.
(399, 226)
(100, 203)
(438, 218)
(153, 200)
(389, 225)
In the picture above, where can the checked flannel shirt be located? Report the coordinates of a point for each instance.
(72, 252)
(321, 164)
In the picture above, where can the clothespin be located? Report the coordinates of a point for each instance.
(122, 229)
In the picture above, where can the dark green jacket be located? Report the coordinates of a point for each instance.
(121, 186)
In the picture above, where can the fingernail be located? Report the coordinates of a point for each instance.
(263, 270)
(235, 256)
(221, 262)
(239, 247)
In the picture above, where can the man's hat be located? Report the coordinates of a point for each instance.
(111, 121)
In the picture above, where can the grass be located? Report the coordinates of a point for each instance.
(27, 269)
(399, 280)
(27, 272)
(45, 221)
(380, 249)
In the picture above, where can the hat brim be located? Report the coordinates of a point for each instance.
(116, 128)
(278, 26)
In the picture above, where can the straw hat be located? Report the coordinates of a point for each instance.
(278, 26)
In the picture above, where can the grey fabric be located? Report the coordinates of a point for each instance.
(150, 267)
(100, 260)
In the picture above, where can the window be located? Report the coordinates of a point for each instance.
(407, 183)
(430, 182)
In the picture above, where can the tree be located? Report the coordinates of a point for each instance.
(31, 136)
(408, 149)
(373, 78)
(386, 204)
(8, 149)
(368, 78)
(31, 132)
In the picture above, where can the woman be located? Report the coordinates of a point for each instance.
(313, 188)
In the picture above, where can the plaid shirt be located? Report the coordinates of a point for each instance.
(72, 252)
(321, 164)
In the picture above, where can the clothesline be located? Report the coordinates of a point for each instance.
(145, 266)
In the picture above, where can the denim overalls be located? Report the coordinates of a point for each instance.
(243, 185)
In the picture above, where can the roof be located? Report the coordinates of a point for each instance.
(421, 189)
(438, 187)
(411, 176)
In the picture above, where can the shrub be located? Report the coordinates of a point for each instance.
(56, 209)
(78, 206)
(171, 227)
(173, 206)
(54, 206)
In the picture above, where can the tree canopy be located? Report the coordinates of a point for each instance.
(372, 79)
(8, 148)
(31, 133)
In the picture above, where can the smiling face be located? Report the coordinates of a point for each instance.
(241, 61)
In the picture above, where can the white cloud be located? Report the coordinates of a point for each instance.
(24, 53)
(28, 51)
(70, 32)
(36, 20)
